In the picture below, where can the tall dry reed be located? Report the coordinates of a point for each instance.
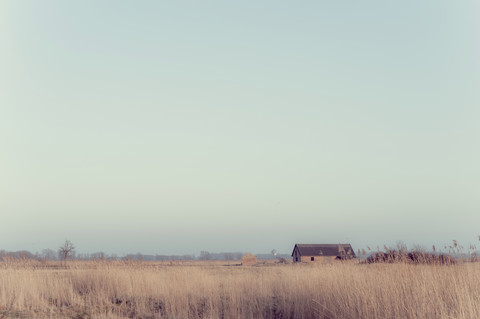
(158, 290)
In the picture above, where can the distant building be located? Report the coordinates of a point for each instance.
(249, 259)
(322, 252)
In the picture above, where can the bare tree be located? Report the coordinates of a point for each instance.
(228, 256)
(205, 255)
(66, 250)
(48, 254)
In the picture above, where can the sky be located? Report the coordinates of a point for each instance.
(176, 127)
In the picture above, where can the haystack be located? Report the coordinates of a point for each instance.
(249, 259)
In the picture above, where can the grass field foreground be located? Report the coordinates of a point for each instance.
(214, 290)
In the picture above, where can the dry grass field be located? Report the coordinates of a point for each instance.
(30, 289)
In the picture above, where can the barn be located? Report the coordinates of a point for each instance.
(322, 252)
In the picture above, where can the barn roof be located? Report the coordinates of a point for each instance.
(324, 250)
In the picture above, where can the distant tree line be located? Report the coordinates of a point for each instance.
(66, 252)
(50, 254)
(21, 254)
(205, 255)
(139, 256)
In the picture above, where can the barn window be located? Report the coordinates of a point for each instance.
(312, 258)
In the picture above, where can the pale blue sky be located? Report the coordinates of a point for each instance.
(174, 127)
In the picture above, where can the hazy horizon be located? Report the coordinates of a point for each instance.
(172, 128)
